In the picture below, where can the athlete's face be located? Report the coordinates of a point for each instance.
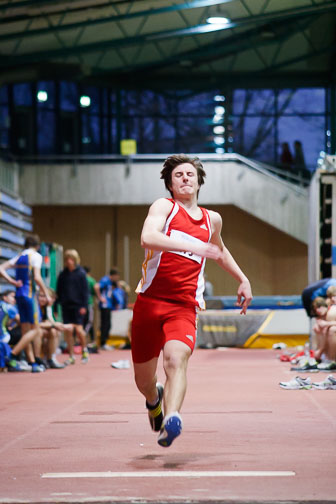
(42, 299)
(10, 298)
(321, 311)
(184, 180)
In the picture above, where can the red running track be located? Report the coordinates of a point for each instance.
(90, 419)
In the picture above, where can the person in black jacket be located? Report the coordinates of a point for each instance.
(72, 294)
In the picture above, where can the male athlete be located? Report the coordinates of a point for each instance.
(178, 236)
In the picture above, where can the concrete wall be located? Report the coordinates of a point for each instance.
(271, 200)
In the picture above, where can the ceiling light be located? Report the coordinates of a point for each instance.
(85, 101)
(42, 96)
(219, 130)
(219, 110)
(218, 20)
(219, 140)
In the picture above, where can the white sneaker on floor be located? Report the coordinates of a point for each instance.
(108, 347)
(297, 383)
(328, 384)
(326, 366)
(121, 364)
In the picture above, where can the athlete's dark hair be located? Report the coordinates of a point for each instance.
(114, 271)
(176, 160)
(32, 241)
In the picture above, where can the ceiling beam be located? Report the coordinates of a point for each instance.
(192, 4)
(198, 29)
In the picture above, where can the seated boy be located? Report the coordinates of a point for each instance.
(49, 333)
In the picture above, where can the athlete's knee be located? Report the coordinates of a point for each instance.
(175, 361)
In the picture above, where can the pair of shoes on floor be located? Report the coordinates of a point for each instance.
(107, 347)
(306, 365)
(328, 384)
(121, 364)
(37, 368)
(326, 366)
(13, 366)
(25, 366)
(54, 364)
(297, 383)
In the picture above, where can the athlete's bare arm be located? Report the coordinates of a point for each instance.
(3, 267)
(227, 262)
(152, 236)
(40, 283)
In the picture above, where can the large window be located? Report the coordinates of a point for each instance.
(50, 117)
(264, 120)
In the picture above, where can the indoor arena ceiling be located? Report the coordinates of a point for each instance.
(149, 43)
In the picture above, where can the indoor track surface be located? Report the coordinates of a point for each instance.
(81, 435)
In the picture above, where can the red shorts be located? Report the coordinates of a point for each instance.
(155, 322)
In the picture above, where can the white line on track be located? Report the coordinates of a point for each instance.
(171, 474)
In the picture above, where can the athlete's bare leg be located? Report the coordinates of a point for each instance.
(175, 362)
(145, 379)
(80, 333)
(29, 333)
(331, 347)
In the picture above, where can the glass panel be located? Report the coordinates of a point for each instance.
(199, 104)
(93, 93)
(68, 96)
(115, 147)
(254, 137)
(309, 130)
(4, 139)
(46, 132)
(105, 107)
(194, 135)
(130, 128)
(105, 136)
(47, 99)
(3, 95)
(4, 117)
(90, 134)
(22, 94)
(301, 101)
(250, 101)
(113, 99)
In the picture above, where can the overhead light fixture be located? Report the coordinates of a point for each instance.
(217, 118)
(219, 140)
(85, 101)
(218, 20)
(219, 98)
(219, 110)
(220, 150)
(219, 130)
(42, 96)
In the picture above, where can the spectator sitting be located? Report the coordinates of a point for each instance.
(8, 311)
(325, 331)
(49, 336)
(28, 275)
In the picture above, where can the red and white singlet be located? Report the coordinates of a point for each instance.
(177, 276)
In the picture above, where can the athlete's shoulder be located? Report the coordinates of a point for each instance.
(161, 206)
(215, 218)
